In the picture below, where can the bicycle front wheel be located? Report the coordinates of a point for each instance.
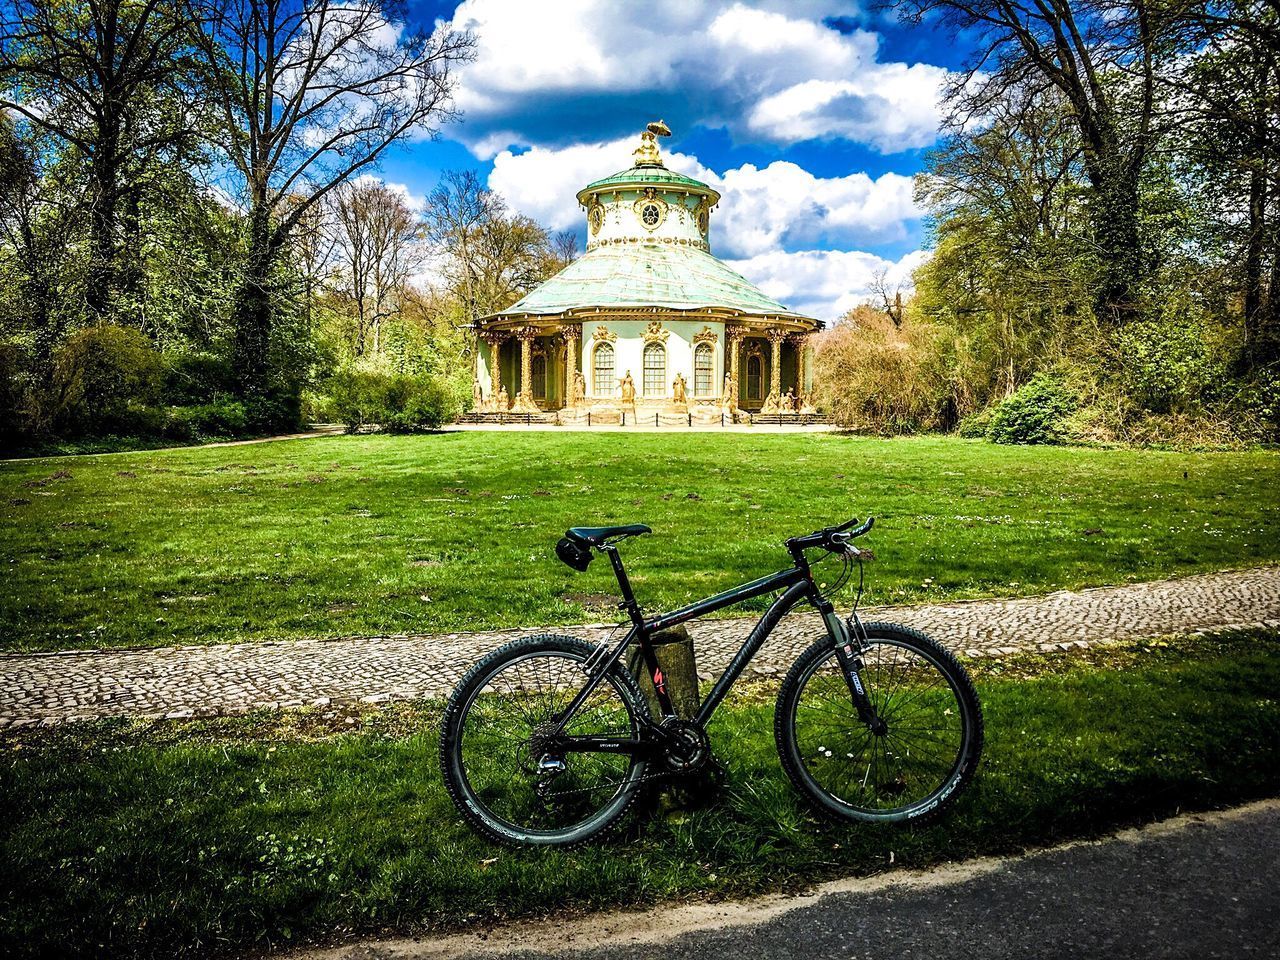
(493, 752)
(905, 768)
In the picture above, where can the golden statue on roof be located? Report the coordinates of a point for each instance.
(647, 154)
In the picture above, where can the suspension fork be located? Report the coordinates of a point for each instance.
(848, 642)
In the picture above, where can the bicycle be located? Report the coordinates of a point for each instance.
(547, 740)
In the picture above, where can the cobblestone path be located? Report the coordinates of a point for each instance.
(233, 678)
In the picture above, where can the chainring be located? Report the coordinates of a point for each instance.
(687, 748)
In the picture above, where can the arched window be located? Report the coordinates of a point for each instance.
(540, 377)
(655, 370)
(703, 370)
(755, 377)
(603, 383)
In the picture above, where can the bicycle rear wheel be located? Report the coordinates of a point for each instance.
(905, 770)
(498, 772)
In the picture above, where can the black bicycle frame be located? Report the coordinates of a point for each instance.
(797, 584)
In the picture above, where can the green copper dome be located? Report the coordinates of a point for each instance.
(648, 176)
(647, 275)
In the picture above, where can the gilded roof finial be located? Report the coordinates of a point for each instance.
(647, 154)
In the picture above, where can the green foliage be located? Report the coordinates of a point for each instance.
(197, 377)
(11, 392)
(220, 420)
(1035, 413)
(1170, 362)
(105, 378)
(397, 402)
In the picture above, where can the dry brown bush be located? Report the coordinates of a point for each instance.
(873, 375)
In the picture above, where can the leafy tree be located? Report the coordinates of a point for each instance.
(1101, 59)
(309, 93)
(106, 79)
(1229, 86)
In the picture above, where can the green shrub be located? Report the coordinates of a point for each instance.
(1170, 363)
(11, 393)
(104, 378)
(1035, 413)
(208, 421)
(195, 379)
(398, 402)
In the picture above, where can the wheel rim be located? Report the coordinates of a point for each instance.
(905, 769)
(499, 758)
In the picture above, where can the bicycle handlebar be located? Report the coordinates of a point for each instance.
(835, 539)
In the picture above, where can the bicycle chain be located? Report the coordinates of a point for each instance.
(664, 774)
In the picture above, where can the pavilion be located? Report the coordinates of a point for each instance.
(646, 320)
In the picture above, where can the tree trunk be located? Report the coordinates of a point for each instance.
(252, 312)
(103, 174)
(674, 651)
(1115, 224)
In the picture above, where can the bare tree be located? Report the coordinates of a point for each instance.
(312, 245)
(892, 306)
(457, 211)
(378, 246)
(93, 74)
(310, 92)
(490, 257)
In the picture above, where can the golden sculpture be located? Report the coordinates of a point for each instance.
(579, 393)
(628, 391)
(680, 391)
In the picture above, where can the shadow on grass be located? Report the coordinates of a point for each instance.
(160, 840)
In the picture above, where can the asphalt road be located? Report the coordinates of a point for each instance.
(1199, 886)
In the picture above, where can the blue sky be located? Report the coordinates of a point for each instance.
(810, 117)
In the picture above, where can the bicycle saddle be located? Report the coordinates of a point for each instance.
(596, 536)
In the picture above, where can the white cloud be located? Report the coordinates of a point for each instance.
(761, 210)
(542, 182)
(824, 283)
(770, 72)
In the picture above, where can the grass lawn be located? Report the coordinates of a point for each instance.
(156, 840)
(366, 535)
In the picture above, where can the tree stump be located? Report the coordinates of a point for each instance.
(674, 651)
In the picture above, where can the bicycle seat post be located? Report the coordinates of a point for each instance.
(624, 584)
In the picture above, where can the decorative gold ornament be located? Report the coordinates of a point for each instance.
(650, 209)
(595, 217)
(702, 213)
(654, 333)
(604, 333)
(705, 335)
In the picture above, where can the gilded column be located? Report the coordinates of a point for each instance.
(801, 343)
(524, 402)
(776, 338)
(572, 337)
(497, 393)
(733, 333)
